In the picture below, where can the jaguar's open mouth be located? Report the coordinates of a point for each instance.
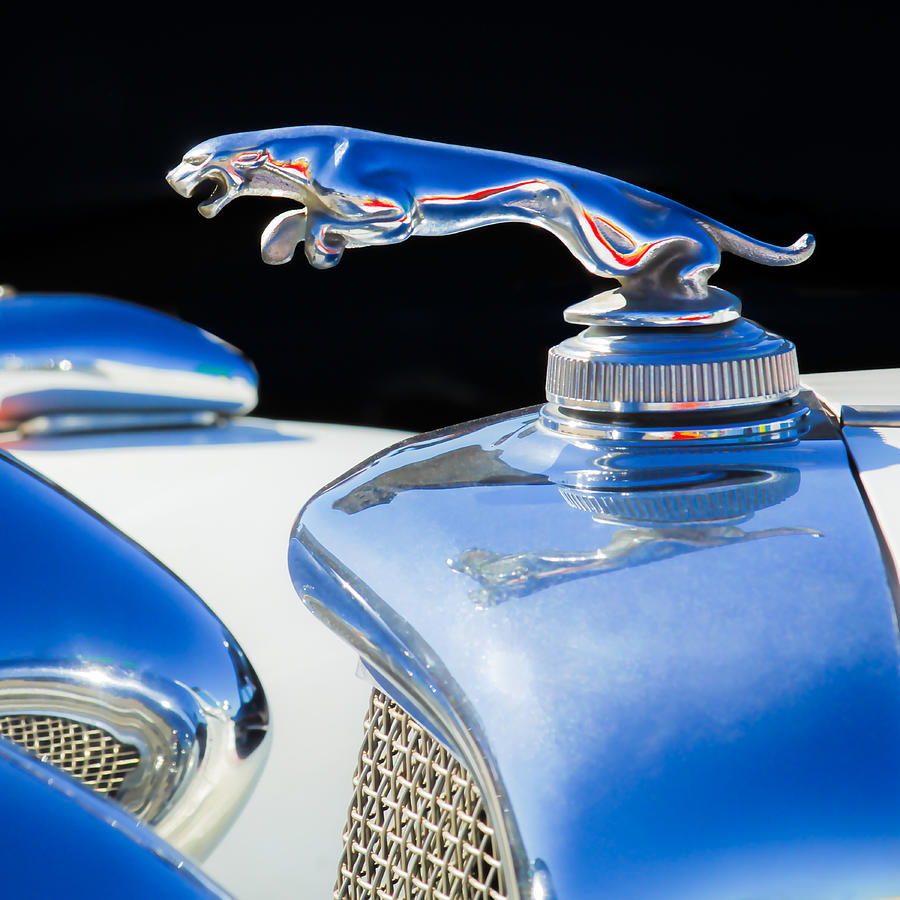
(219, 196)
(214, 186)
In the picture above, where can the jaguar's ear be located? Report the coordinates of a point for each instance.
(249, 159)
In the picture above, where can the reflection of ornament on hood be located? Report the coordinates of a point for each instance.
(505, 577)
(685, 497)
(666, 512)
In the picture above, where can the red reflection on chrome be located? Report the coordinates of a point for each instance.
(479, 195)
(686, 435)
(298, 165)
(624, 259)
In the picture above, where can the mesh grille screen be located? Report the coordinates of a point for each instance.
(94, 757)
(417, 827)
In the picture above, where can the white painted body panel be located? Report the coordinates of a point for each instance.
(219, 514)
(875, 450)
(866, 387)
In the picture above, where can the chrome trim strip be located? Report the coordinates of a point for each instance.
(871, 416)
(80, 423)
(787, 423)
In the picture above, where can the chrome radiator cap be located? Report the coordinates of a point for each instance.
(672, 368)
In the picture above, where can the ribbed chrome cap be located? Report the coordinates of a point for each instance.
(671, 367)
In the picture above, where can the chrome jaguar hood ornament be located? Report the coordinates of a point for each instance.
(360, 188)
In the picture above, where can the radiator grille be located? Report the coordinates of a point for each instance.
(91, 755)
(417, 827)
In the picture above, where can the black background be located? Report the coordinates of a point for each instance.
(774, 121)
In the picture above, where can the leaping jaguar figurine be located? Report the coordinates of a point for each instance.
(360, 188)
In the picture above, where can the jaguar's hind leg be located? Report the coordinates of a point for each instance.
(694, 279)
(674, 269)
(697, 264)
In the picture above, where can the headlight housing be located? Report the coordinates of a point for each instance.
(117, 673)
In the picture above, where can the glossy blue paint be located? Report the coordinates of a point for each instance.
(59, 839)
(76, 589)
(699, 703)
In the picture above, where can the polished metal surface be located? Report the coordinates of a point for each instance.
(664, 341)
(715, 713)
(756, 425)
(360, 188)
(87, 753)
(417, 825)
(62, 839)
(871, 416)
(76, 363)
(613, 309)
(664, 512)
(92, 423)
(162, 721)
(99, 633)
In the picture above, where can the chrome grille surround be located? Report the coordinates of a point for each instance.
(90, 754)
(153, 718)
(417, 825)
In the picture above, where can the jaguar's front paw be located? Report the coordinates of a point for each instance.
(282, 235)
(324, 250)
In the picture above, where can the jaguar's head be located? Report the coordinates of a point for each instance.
(252, 163)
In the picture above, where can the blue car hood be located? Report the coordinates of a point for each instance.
(677, 670)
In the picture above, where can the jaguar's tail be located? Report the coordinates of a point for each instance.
(758, 251)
